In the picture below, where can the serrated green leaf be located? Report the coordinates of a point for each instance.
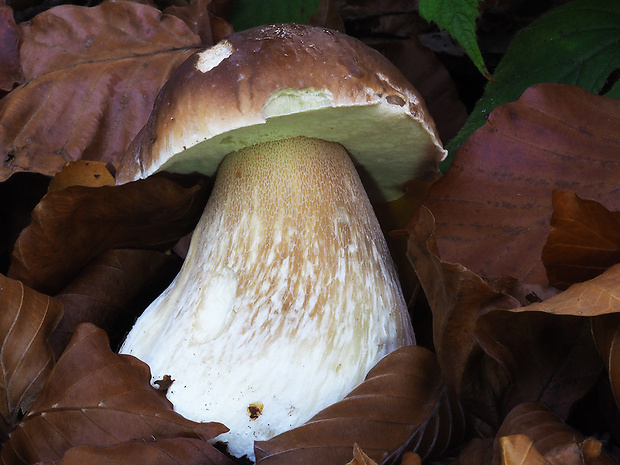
(458, 17)
(245, 14)
(577, 43)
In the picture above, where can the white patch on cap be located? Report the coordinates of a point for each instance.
(213, 56)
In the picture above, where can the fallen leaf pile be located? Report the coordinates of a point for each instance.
(512, 263)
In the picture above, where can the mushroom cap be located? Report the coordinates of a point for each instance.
(280, 81)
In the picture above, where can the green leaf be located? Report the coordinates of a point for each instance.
(577, 43)
(245, 14)
(458, 17)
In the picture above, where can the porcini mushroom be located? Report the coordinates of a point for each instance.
(288, 294)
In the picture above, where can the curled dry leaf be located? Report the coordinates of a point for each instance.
(494, 204)
(477, 451)
(598, 296)
(96, 397)
(202, 18)
(606, 332)
(27, 321)
(71, 227)
(584, 240)
(497, 353)
(531, 425)
(518, 449)
(112, 290)
(176, 451)
(549, 358)
(583, 246)
(82, 173)
(10, 67)
(390, 410)
(92, 77)
(360, 458)
(457, 298)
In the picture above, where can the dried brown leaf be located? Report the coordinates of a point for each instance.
(27, 321)
(177, 451)
(19, 194)
(82, 173)
(495, 352)
(518, 449)
(584, 240)
(392, 408)
(551, 359)
(598, 296)
(96, 397)
(360, 458)
(10, 67)
(494, 205)
(202, 19)
(606, 332)
(71, 227)
(477, 451)
(112, 291)
(92, 77)
(458, 297)
(535, 430)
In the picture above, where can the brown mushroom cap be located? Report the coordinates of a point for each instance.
(280, 81)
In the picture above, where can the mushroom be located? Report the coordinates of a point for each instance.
(288, 295)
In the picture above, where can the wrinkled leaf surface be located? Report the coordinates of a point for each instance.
(96, 397)
(27, 320)
(583, 242)
(10, 67)
(531, 425)
(71, 227)
(177, 451)
(573, 44)
(390, 409)
(493, 207)
(92, 77)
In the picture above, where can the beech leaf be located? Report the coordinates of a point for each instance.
(176, 451)
(583, 242)
(92, 76)
(10, 67)
(202, 21)
(96, 397)
(598, 296)
(392, 408)
(549, 358)
(531, 425)
(82, 173)
(495, 352)
(112, 290)
(27, 321)
(458, 297)
(575, 43)
(360, 458)
(493, 207)
(519, 449)
(71, 227)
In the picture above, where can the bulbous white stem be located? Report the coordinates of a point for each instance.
(288, 295)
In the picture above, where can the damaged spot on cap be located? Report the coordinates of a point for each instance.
(254, 410)
(396, 100)
(213, 56)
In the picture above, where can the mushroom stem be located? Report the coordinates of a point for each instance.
(287, 298)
